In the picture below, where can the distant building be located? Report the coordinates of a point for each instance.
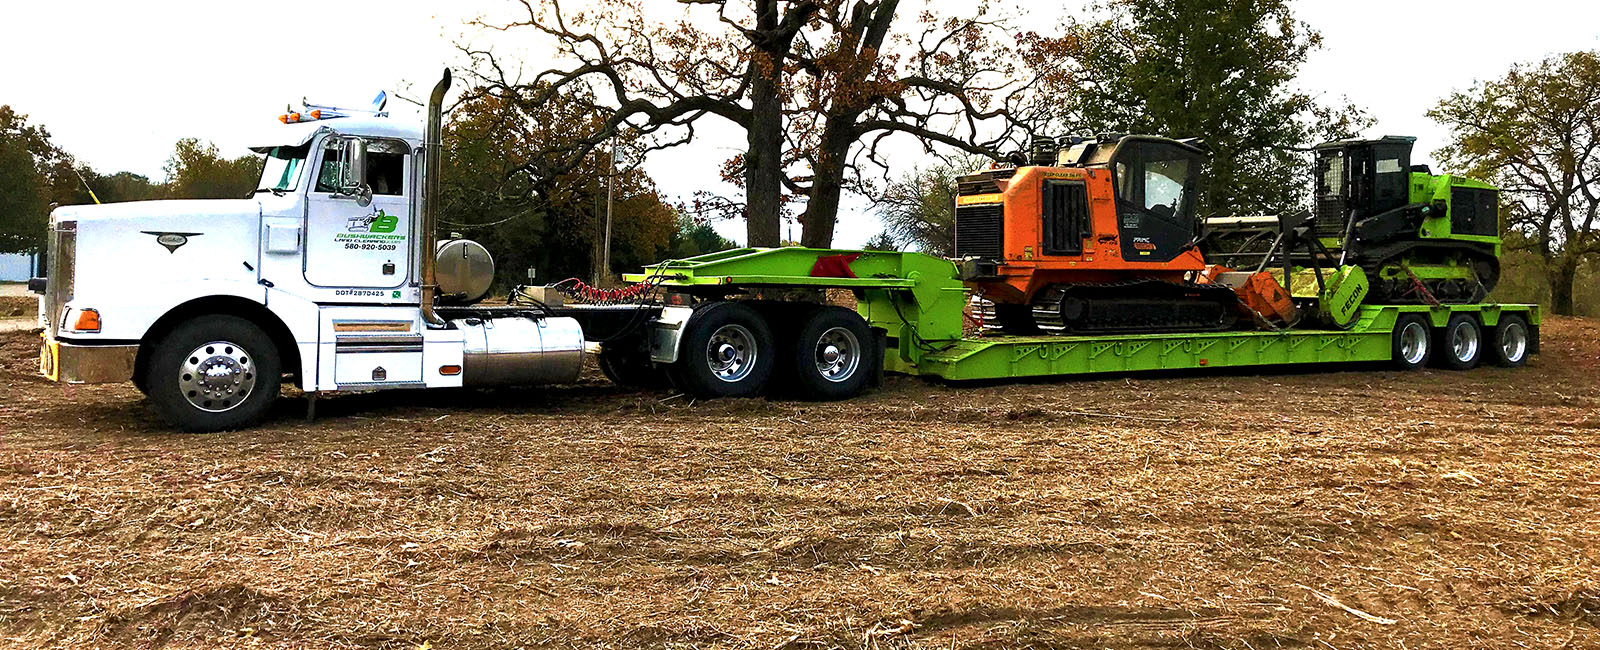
(18, 267)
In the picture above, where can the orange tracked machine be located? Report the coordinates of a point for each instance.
(1091, 236)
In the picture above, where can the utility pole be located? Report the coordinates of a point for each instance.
(611, 186)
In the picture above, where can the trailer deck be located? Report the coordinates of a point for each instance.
(997, 357)
(918, 302)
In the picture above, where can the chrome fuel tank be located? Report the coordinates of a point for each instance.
(517, 351)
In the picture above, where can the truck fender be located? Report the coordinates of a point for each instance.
(245, 308)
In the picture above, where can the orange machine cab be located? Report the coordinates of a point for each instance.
(1108, 212)
(1095, 236)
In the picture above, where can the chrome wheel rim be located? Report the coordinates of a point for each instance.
(731, 353)
(1464, 342)
(217, 376)
(838, 354)
(1413, 343)
(1514, 342)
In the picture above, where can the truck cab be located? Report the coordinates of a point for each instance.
(326, 275)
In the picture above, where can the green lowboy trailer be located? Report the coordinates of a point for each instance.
(916, 307)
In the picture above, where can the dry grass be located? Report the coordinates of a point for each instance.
(1229, 511)
(15, 307)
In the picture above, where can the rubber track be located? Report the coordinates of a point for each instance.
(1047, 306)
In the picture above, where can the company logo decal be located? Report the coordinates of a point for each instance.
(172, 240)
(373, 232)
(378, 221)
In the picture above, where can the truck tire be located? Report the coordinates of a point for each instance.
(833, 355)
(1460, 344)
(213, 373)
(626, 363)
(1413, 341)
(726, 351)
(1511, 342)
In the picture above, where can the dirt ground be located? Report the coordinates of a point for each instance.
(1364, 508)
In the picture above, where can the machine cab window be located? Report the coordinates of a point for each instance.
(1158, 179)
(1156, 182)
(385, 167)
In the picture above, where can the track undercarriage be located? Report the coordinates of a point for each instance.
(1142, 305)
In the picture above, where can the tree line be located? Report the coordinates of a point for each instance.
(825, 92)
(35, 173)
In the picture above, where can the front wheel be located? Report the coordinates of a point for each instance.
(213, 373)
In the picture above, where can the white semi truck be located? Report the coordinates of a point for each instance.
(329, 275)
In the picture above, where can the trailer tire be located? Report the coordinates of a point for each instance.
(213, 373)
(834, 355)
(1412, 341)
(1511, 343)
(1460, 344)
(726, 351)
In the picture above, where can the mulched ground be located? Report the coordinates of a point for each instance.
(1351, 509)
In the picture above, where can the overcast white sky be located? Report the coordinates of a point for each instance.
(117, 82)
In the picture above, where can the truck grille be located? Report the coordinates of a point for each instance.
(980, 230)
(61, 253)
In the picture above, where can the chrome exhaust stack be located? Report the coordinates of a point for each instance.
(432, 145)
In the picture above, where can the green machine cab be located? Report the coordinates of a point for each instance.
(1421, 237)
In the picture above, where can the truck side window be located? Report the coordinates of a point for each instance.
(386, 167)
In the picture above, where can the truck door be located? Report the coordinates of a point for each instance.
(365, 249)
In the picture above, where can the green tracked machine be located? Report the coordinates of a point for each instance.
(1420, 237)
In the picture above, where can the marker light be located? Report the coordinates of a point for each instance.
(88, 321)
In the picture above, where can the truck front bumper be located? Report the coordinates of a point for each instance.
(86, 364)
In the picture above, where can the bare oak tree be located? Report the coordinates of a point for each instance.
(816, 85)
(950, 81)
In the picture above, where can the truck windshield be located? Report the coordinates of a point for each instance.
(281, 173)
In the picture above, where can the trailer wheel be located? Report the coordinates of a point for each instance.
(1509, 348)
(1461, 343)
(1413, 341)
(727, 352)
(834, 355)
(213, 373)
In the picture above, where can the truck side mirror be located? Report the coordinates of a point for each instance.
(353, 180)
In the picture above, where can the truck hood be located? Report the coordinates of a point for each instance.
(180, 210)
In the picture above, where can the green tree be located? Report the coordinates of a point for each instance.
(1534, 133)
(883, 241)
(121, 186)
(918, 209)
(197, 170)
(29, 176)
(1221, 70)
(696, 237)
(501, 188)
